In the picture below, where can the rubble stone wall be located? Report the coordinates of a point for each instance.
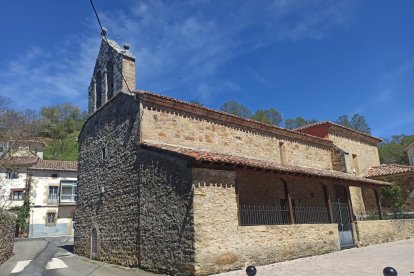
(222, 245)
(108, 190)
(380, 231)
(7, 228)
(179, 128)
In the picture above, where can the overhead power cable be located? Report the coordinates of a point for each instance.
(103, 32)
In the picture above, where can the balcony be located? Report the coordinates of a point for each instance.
(53, 199)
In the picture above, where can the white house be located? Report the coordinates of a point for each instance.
(53, 190)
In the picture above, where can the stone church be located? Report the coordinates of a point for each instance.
(176, 187)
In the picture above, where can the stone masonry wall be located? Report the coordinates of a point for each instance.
(221, 244)
(108, 193)
(179, 128)
(166, 218)
(406, 183)
(7, 228)
(380, 231)
(367, 156)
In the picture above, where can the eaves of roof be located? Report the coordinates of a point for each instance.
(201, 156)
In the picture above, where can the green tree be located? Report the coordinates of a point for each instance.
(392, 150)
(357, 122)
(237, 109)
(297, 122)
(268, 116)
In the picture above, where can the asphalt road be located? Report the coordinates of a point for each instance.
(53, 257)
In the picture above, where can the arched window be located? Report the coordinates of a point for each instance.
(94, 244)
(98, 80)
(110, 78)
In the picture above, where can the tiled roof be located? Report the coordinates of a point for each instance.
(329, 123)
(55, 165)
(388, 169)
(225, 159)
(223, 116)
(15, 161)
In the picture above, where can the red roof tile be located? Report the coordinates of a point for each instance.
(18, 161)
(329, 123)
(204, 156)
(55, 165)
(388, 169)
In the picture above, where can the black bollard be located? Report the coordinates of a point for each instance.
(389, 271)
(251, 270)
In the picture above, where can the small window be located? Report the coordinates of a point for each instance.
(11, 174)
(103, 153)
(50, 218)
(17, 195)
(54, 175)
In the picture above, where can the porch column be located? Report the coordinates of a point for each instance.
(328, 203)
(350, 209)
(289, 201)
(378, 201)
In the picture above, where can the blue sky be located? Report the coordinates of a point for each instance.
(317, 59)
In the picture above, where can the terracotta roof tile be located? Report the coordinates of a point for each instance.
(205, 156)
(329, 123)
(18, 161)
(55, 165)
(387, 169)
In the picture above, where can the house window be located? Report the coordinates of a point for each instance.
(17, 195)
(53, 195)
(68, 190)
(50, 218)
(11, 174)
(54, 175)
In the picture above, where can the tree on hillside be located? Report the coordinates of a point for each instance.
(357, 122)
(293, 123)
(392, 150)
(268, 116)
(237, 109)
(62, 123)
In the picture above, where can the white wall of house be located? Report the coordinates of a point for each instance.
(47, 191)
(8, 186)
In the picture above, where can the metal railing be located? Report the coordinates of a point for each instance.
(279, 215)
(311, 214)
(67, 198)
(263, 215)
(52, 199)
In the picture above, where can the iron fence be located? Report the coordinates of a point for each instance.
(279, 215)
(311, 214)
(263, 215)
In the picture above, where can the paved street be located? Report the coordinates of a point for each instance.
(365, 261)
(53, 257)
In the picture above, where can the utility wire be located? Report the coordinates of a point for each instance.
(103, 32)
